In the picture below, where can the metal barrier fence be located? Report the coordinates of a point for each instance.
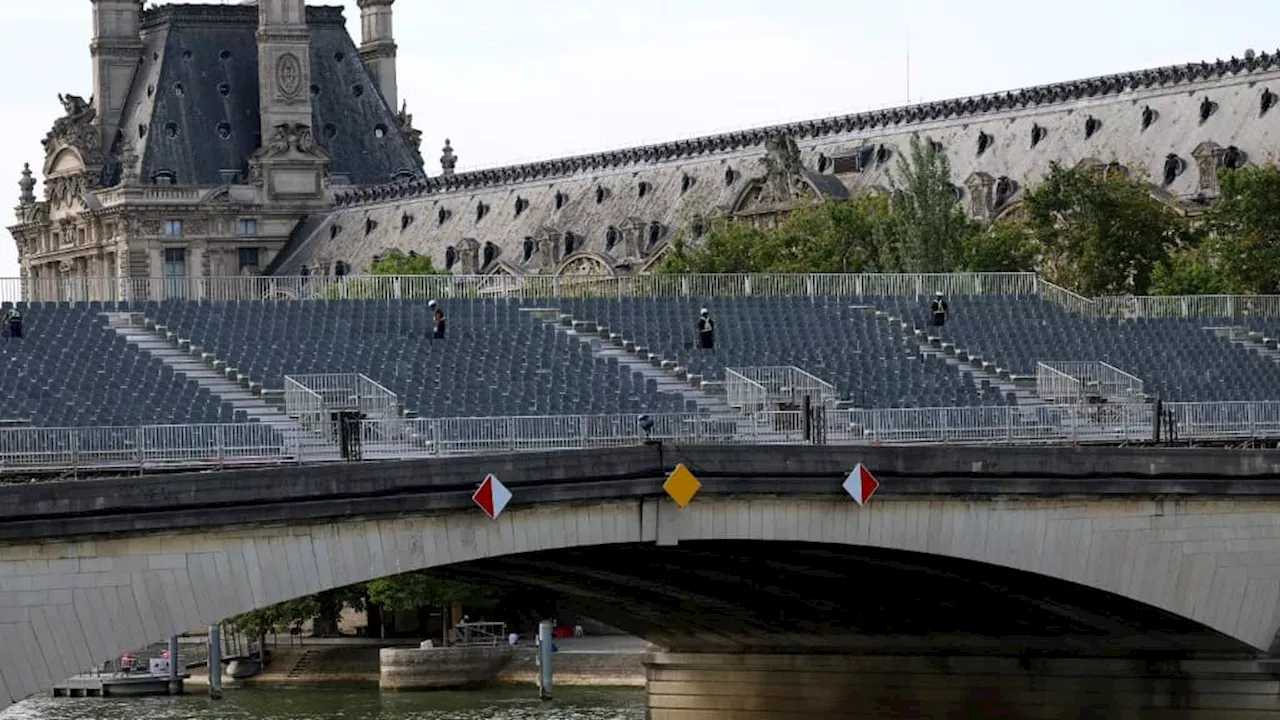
(217, 446)
(338, 392)
(743, 393)
(141, 448)
(1055, 386)
(788, 383)
(1092, 378)
(124, 291)
(393, 287)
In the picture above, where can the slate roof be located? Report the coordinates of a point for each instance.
(193, 110)
(889, 119)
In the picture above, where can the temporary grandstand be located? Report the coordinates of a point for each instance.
(215, 372)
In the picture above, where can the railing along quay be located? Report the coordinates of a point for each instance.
(92, 450)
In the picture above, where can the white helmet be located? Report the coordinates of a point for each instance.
(431, 304)
(938, 293)
(704, 311)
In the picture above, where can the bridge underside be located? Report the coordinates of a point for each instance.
(804, 631)
(770, 597)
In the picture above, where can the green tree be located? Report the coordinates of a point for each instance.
(329, 607)
(1005, 246)
(1100, 232)
(410, 591)
(930, 227)
(1190, 271)
(395, 262)
(728, 247)
(1244, 229)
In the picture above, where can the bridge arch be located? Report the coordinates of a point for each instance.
(65, 607)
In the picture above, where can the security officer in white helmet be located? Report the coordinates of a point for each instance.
(437, 330)
(706, 331)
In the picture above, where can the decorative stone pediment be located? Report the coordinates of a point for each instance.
(1208, 156)
(75, 129)
(656, 258)
(784, 185)
(585, 264)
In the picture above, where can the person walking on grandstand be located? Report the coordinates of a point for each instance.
(938, 309)
(706, 331)
(13, 323)
(437, 315)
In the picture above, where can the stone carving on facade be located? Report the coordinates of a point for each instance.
(27, 186)
(288, 141)
(469, 256)
(76, 128)
(129, 165)
(632, 238)
(448, 160)
(782, 187)
(980, 185)
(584, 265)
(412, 136)
(548, 250)
(1208, 156)
(288, 76)
(65, 190)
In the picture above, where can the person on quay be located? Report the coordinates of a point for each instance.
(706, 331)
(437, 315)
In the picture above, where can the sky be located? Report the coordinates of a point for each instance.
(510, 81)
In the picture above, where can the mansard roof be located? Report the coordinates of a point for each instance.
(892, 119)
(193, 108)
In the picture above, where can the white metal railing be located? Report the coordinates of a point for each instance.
(1055, 386)
(392, 287)
(300, 401)
(335, 392)
(216, 446)
(1092, 379)
(141, 448)
(743, 393)
(788, 383)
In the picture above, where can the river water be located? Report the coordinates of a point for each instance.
(519, 703)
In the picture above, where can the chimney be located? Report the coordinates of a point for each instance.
(378, 47)
(116, 52)
(289, 163)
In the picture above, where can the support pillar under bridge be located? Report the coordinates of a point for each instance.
(707, 686)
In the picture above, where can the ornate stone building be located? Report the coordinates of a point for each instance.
(617, 212)
(212, 134)
(224, 140)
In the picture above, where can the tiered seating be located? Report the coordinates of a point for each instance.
(870, 364)
(1175, 358)
(496, 360)
(70, 369)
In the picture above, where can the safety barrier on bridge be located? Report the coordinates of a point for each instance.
(156, 448)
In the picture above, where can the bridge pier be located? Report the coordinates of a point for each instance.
(709, 686)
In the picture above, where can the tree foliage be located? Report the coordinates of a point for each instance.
(395, 262)
(410, 591)
(1100, 231)
(1093, 230)
(1243, 228)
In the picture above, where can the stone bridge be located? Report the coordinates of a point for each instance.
(1034, 582)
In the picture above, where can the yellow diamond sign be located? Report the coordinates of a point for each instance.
(681, 485)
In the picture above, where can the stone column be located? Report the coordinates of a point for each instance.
(706, 686)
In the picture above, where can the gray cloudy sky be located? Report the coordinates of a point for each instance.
(517, 80)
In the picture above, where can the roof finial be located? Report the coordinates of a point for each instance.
(28, 185)
(448, 161)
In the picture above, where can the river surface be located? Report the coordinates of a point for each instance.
(518, 703)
